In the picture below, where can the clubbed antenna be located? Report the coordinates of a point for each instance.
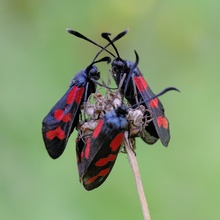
(106, 36)
(117, 37)
(79, 35)
(104, 59)
(157, 95)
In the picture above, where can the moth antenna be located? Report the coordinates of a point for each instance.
(79, 35)
(157, 95)
(106, 36)
(117, 37)
(104, 59)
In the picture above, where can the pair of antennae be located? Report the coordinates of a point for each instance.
(108, 60)
(105, 36)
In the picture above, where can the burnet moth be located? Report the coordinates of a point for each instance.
(97, 152)
(64, 116)
(60, 122)
(138, 91)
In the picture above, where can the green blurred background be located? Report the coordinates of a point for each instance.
(178, 45)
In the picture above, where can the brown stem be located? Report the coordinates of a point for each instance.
(135, 169)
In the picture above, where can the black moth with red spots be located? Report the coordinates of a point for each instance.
(136, 89)
(96, 154)
(64, 116)
(97, 150)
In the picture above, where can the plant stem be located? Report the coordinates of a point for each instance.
(135, 169)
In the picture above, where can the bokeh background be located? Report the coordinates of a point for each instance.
(178, 45)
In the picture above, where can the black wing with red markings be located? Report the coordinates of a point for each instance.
(160, 125)
(137, 91)
(64, 116)
(97, 153)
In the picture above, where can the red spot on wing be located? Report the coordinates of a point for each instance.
(59, 115)
(87, 149)
(162, 122)
(79, 95)
(140, 83)
(116, 142)
(75, 94)
(154, 103)
(71, 96)
(103, 161)
(97, 129)
(82, 154)
(100, 174)
(67, 117)
(85, 153)
(58, 132)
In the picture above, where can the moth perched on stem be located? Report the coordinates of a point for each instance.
(110, 122)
